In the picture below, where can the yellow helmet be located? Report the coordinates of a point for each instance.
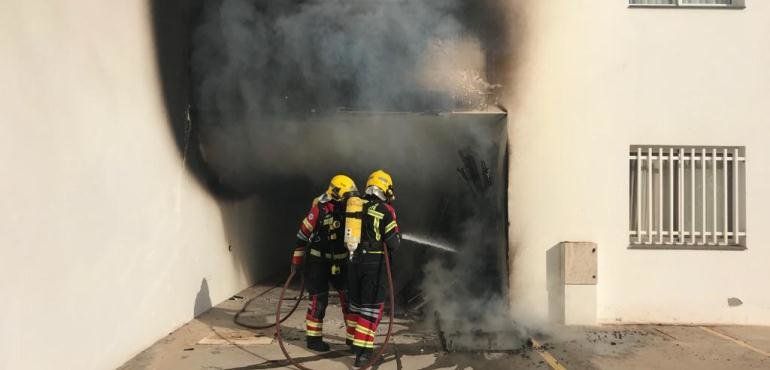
(380, 184)
(340, 187)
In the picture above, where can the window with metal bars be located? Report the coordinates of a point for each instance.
(689, 3)
(687, 197)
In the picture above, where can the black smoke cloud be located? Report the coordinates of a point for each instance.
(265, 72)
(297, 57)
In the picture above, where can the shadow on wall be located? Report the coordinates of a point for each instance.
(555, 283)
(202, 299)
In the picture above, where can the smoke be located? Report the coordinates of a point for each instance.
(299, 57)
(466, 296)
(265, 72)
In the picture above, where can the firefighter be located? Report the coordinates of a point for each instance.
(367, 275)
(320, 240)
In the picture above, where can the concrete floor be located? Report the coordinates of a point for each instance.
(416, 346)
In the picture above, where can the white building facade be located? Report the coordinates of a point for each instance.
(109, 242)
(600, 80)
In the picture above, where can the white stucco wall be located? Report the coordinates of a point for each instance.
(105, 238)
(596, 77)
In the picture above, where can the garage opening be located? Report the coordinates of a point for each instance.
(450, 177)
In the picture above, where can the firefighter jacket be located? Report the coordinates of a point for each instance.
(322, 230)
(379, 226)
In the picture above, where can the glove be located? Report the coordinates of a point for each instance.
(297, 258)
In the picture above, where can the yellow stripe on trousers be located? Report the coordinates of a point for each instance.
(361, 343)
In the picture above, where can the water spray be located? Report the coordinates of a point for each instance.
(428, 242)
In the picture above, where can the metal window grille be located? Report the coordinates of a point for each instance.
(687, 197)
(652, 2)
(689, 3)
(705, 2)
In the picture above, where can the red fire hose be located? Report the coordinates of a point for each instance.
(278, 321)
(387, 335)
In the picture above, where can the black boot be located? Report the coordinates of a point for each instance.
(317, 344)
(349, 342)
(363, 357)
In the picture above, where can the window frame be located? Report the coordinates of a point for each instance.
(678, 235)
(736, 4)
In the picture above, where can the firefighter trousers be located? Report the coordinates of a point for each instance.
(320, 272)
(367, 286)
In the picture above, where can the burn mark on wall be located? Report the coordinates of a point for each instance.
(474, 172)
